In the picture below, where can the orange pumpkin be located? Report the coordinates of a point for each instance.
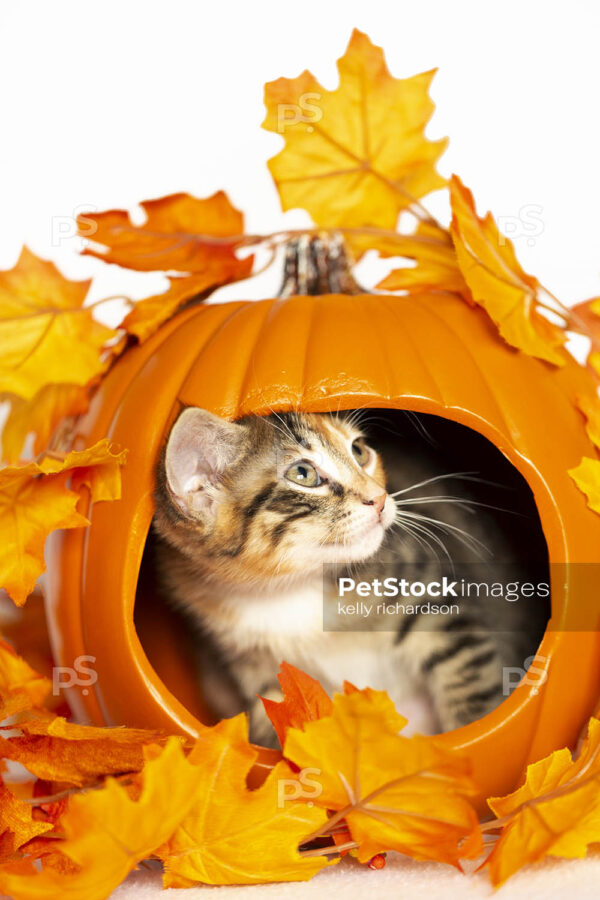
(431, 354)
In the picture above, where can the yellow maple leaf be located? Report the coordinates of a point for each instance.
(498, 283)
(590, 407)
(587, 478)
(40, 416)
(436, 266)
(47, 336)
(181, 233)
(35, 499)
(584, 318)
(98, 467)
(108, 833)
(556, 812)
(21, 687)
(357, 155)
(233, 835)
(394, 792)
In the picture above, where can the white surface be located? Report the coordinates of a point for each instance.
(106, 104)
(402, 879)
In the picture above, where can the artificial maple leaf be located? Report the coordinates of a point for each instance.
(44, 722)
(498, 283)
(556, 812)
(436, 266)
(587, 478)
(148, 315)
(40, 415)
(358, 155)
(394, 793)
(590, 407)
(35, 499)
(233, 835)
(108, 833)
(181, 233)
(584, 318)
(97, 467)
(56, 750)
(47, 336)
(17, 825)
(45, 849)
(21, 687)
(304, 699)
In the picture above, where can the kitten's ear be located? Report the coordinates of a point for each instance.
(200, 447)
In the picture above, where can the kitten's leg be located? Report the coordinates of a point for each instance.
(462, 671)
(231, 684)
(261, 729)
(256, 674)
(465, 680)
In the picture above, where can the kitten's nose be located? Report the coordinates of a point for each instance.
(377, 502)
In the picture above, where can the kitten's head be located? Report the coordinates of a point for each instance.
(269, 496)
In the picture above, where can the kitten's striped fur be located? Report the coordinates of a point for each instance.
(241, 548)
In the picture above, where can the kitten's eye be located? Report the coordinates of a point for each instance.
(361, 452)
(304, 473)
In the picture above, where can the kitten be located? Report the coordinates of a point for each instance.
(249, 513)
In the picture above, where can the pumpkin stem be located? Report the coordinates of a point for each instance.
(317, 264)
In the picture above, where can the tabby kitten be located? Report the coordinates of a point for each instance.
(247, 515)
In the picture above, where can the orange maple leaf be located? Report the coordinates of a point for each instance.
(498, 283)
(47, 335)
(148, 315)
(17, 825)
(436, 267)
(304, 699)
(181, 233)
(394, 793)
(556, 812)
(56, 750)
(35, 499)
(357, 155)
(45, 849)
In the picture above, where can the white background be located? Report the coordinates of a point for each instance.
(106, 104)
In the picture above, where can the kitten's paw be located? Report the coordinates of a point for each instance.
(469, 709)
(261, 729)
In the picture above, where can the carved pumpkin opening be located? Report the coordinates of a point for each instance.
(442, 446)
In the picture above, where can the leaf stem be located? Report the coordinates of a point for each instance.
(333, 849)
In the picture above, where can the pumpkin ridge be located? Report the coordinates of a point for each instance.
(272, 307)
(507, 430)
(390, 304)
